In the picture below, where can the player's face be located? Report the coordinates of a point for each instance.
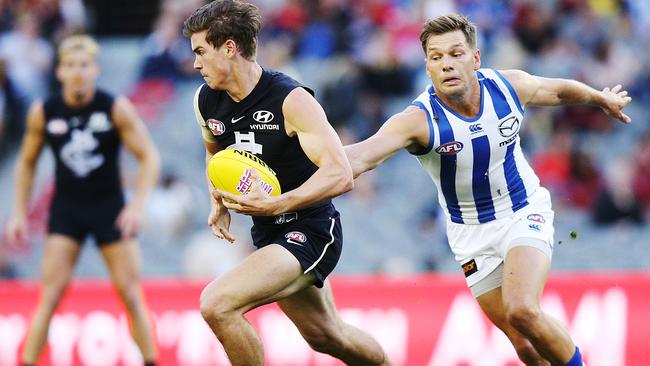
(77, 71)
(212, 63)
(451, 63)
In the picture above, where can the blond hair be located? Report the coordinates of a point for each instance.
(448, 23)
(78, 43)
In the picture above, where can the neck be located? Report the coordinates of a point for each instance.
(76, 99)
(467, 103)
(244, 80)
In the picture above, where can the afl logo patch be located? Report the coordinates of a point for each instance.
(509, 126)
(295, 237)
(450, 148)
(536, 217)
(57, 126)
(216, 127)
(263, 116)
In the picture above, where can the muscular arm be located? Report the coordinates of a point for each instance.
(136, 139)
(305, 118)
(407, 129)
(536, 90)
(30, 150)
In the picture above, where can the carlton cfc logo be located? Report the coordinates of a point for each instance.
(450, 148)
(216, 127)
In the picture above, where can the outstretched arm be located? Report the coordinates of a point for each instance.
(536, 90)
(407, 129)
(136, 139)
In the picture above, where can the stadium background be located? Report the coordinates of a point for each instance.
(364, 60)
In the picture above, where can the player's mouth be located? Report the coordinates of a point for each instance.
(451, 80)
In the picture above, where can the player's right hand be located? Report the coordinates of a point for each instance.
(219, 222)
(17, 231)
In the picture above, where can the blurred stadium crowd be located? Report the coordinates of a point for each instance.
(364, 60)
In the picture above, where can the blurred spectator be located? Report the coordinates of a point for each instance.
(11, 113)
(617, 201)
(534, 28)
(553, 165)
(641, 180)
(584, 182)
(167, 55)
(29, 57)
(170, 210)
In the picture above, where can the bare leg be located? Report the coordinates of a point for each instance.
(524, 275)
(312, 310)
(123, 261)
(59, 258)
(267, 275)
(492, 304)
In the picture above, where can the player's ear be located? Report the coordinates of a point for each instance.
(231, 48)
(477, 59)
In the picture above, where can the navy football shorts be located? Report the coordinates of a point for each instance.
(78, 220)
(314, 236)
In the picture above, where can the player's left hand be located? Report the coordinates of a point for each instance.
(130, 221)
(615, 99)
(255, 203)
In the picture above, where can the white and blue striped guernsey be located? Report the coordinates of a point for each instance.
(477, 163)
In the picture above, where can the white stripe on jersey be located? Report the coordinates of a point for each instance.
(205, 131)
(477, 163)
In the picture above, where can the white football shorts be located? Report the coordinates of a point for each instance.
(480, 249)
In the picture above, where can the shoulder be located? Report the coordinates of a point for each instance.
(123, 111)
(36, 115)
(524, 84)
(282, 81)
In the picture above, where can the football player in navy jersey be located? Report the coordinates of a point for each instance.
(85, 126)
(464, 130)
(298, 233)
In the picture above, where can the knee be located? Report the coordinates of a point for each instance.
(52, 295)
(523, 316)
(130, 295)
(216, 305)
(527, 354)
(324, 340)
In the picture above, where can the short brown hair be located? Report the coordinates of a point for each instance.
(224, 20)
(448, 23)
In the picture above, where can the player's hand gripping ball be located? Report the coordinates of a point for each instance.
(230, 170)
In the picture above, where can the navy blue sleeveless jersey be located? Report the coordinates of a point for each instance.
(85, 144)
(256, 124)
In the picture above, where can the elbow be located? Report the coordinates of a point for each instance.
(345, 181)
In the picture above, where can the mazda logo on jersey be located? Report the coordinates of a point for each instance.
(509, 126)
(216, 127)
(263, 116)
(450, 148)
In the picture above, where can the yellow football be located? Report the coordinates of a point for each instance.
(230, 170)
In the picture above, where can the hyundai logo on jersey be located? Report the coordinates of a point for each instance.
(263, 116)
(509, 126)
(450, 148)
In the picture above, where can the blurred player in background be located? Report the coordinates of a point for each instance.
(85, 126)
(298, 234)
(464, 130)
